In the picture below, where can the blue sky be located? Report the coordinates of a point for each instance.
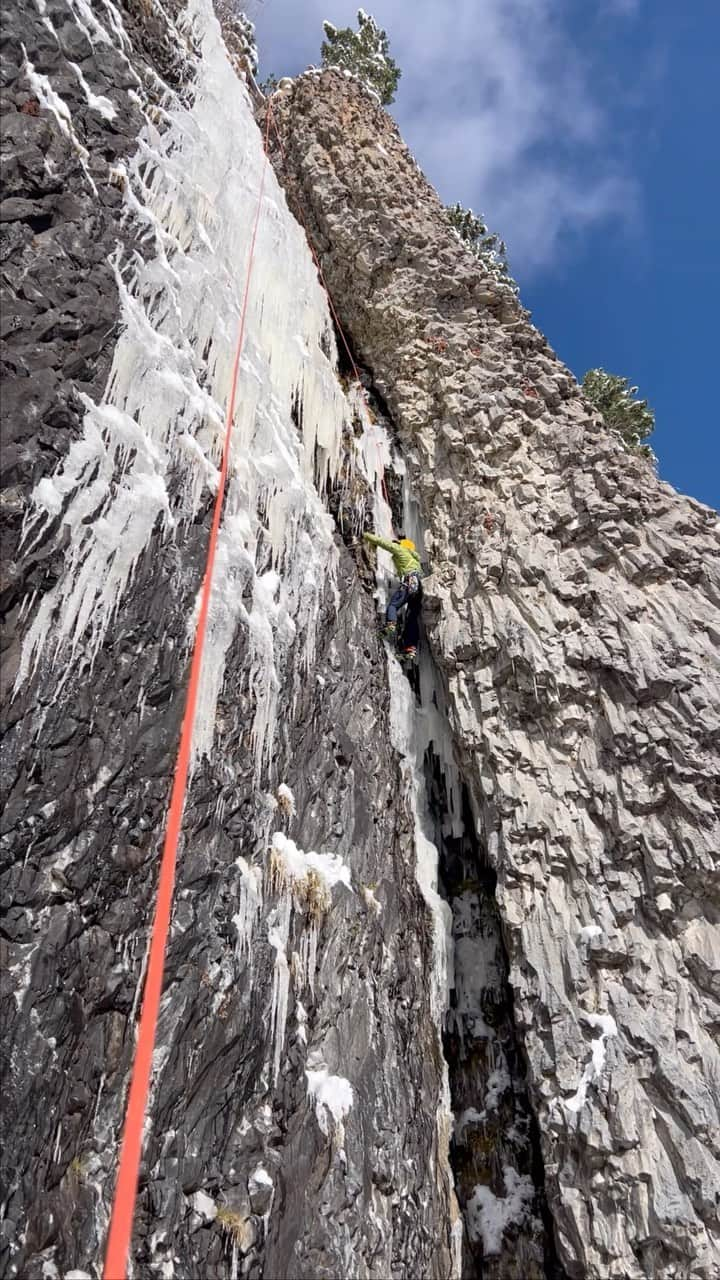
(586, 132)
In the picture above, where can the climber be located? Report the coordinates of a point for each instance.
(408, 595)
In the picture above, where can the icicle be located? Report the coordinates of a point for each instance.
(88, 23)
(148, 456)
(117, 24)
(48, 98)
(375, 459)
(308, 954)
(249, 905)
(278, 938)
(304, 883)
(96, 101)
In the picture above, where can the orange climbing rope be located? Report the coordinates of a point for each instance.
(123, 1211)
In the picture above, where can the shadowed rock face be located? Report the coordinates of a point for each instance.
(298, 1123)
(58, 238)
(573, 613)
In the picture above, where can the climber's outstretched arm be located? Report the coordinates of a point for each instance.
(387, 544)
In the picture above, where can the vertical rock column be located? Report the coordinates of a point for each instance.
(573, 609)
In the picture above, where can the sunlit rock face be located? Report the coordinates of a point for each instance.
(573, 614)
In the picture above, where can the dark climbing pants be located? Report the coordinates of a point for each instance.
(412, 604)
(396, 602)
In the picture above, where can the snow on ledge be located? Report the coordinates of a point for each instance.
(607, 1026)
(286, 800)
(297, 863)
(488, 1216)
(588, 932)
(333, 1094)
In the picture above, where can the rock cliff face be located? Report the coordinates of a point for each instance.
(573, 614)
(300, 1121)
(315, 1036)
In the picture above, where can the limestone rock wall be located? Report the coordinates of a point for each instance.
(573, 611)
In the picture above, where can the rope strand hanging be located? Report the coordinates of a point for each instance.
(123, 1210)
(125, 1195)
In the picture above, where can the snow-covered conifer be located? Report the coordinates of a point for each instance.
(365, 52)
(615, 399)
(484, 244)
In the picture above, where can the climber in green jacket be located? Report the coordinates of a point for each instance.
(409, 570)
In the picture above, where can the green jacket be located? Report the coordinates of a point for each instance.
(405, 561)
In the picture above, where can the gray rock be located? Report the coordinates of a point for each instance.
(86, 767)
(578, 644)
(572, 619)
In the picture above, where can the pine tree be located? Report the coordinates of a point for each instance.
(614, 398)
(484, 244)
(365, 52)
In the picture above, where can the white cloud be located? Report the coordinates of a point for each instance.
(500, 106)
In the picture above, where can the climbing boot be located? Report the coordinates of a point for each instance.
(390, 630)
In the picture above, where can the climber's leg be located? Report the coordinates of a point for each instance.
(411, 629)
(397, 600)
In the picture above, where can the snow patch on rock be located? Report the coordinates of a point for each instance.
(607, 1027)
(331, 1095)
(489, 1216)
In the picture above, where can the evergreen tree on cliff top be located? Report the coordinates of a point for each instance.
(484, 244)
(365, 52)
(633, 419)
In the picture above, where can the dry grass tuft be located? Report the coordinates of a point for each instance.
(312, 896)
(234, 1223)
